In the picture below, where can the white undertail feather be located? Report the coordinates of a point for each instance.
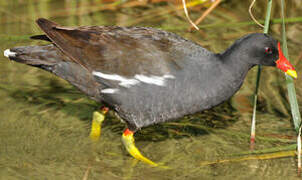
(8, 53)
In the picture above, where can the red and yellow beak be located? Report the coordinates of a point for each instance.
(284, 65)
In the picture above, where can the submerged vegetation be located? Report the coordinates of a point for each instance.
(44, 121)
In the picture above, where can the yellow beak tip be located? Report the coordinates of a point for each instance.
(292, 73)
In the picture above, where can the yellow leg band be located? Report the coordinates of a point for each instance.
(129, 144)
(95, 132)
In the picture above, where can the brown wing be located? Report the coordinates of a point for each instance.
(117, 50)
(40, 37)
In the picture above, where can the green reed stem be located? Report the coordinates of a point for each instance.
(289, 80)
(266, 28)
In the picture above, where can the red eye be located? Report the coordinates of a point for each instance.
(268, 50)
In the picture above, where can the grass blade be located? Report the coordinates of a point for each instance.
(265, 30)
(292, 93)
(289, 80)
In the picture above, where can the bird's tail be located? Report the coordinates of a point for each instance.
(39, 56)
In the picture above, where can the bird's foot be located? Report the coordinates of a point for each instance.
(98, 118)
(129, 144)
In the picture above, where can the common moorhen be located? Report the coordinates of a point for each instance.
(145, 75)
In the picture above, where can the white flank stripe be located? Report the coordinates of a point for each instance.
(129, 82)
(123, 81)
(8, 53)
(157, 80)
(113, 77)
(169, 76)
(160, 81)
(109, 91)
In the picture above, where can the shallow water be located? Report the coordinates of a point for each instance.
(44, 121)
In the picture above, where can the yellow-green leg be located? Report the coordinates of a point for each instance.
(98, 118)
(129, 144)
